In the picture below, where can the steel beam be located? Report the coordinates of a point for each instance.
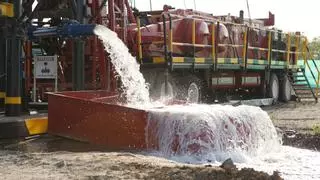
(13, 98)
(78, 65)
(2, 71)
(78, 53)
(13, 90)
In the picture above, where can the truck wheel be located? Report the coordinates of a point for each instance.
(192, 89)
(274, 88)
(194, 93)
(285, 91)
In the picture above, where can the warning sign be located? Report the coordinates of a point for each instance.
(45, 67)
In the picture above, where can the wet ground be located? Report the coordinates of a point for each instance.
(301, 117)
(49, 157)
(299, 122)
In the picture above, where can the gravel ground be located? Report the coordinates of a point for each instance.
(301, 117)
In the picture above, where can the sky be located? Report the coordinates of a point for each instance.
(290, 15)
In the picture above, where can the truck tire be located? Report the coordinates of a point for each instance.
(273, 90)
(285, 89)
(192, 90)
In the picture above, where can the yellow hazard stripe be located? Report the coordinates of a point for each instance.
(12, 100)
(2, 95)
(37, 125)
(158, 60)
(225, 61)
(178, 59)
(262, 62)
(234, 61)
(221, 60)
(6, 9)
(250, 61)
(199, 60)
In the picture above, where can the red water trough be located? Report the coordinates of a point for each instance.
(97, 117)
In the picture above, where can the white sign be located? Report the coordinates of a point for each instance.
(45, 67)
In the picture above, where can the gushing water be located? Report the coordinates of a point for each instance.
(213, 132)
(134, 85)
(209, 133)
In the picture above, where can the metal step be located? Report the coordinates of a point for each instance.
(308, 99)
(300, 80)
(310, 95)
(299, 85)
(303, 92)
(298, 76)
(301, 88)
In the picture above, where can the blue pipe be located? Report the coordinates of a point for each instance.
(75, 30)
(66, 30)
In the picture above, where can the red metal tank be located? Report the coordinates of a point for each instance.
(182, 33)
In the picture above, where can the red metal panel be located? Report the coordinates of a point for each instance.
(74, 115)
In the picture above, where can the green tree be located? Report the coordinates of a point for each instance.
(314, 47)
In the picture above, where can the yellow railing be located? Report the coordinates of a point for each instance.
(168, 34)
(213, 42)
(307, 55)
(139, 40)
(288, 48)
(245, 43)
(269, 47)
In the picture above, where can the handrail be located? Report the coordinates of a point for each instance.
(165, 39)
(306, 53)
(318, 71)
(139, 41)
(269, 49)
(168, 42)
(288, 49)
(245, 48)
(213, 42)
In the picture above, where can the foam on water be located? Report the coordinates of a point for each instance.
(209, 133)
(134, 85)
(213, 132)
(202, 134)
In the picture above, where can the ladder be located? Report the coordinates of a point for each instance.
(301, 86)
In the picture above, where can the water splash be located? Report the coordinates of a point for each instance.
(212, 132)
(134, 85)
(209, 133)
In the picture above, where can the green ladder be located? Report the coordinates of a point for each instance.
(301, 86)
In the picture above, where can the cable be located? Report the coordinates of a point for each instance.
(184, 2)
(249, 11)
(150, 5)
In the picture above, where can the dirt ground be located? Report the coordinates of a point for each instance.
(300, 123)
(39, 158)
(301, 117)
(47, 157)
